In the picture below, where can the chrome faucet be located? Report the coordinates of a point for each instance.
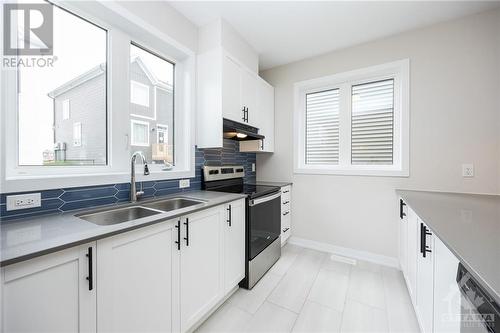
(134, 194)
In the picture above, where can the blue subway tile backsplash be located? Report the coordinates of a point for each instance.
(68, 199)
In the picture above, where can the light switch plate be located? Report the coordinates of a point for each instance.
(24, 201)
(183, 183)
(468, 170)
(253, 167)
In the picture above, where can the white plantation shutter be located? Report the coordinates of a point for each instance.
(372, 123)
(322, 127)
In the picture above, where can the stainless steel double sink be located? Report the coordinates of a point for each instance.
(119, 215)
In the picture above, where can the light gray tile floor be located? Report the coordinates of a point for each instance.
(311, 291)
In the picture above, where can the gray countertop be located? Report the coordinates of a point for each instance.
(279, 184)
(469, 225)
(31, 237)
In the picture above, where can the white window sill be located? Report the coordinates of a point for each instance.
(362, 171)
(21, 183)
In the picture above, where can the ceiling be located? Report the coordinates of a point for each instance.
(286, 31)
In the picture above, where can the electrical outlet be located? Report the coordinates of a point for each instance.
(183, 183)
(24, 201)
(467, 170)
(253, 167)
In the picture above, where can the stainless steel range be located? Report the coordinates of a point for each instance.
(263, 218)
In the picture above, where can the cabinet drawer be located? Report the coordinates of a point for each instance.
(285, 193)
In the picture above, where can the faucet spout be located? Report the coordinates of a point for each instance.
(134, 194)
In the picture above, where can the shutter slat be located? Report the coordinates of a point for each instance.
(372, 123)
(322, 127)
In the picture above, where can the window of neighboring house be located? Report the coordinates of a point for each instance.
(139, 93)
(65, 109)
(354, 123)
(150, 67)
(77, 134)
(79, 74)
(140, 133)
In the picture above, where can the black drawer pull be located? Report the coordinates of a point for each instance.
(90, 278)
(187, 231)
(178, 241)
(286, 213)
(286, 191)
(423, 240)
(286, 229)
(285, 202)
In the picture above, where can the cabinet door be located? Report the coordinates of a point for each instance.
(234, 244)
(50, 293)
(425, 278)
(200, 265)
(413, 252)
(446, 291)
(232, 106)
(249, 92)
(134, 275)
(265, 106)
(403, 239)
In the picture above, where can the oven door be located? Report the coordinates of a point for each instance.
(264, 223)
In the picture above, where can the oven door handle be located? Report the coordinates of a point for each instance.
(258, 201)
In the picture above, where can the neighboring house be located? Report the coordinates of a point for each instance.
(80, 117)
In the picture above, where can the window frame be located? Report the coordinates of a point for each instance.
(397, 70)
(123, 27)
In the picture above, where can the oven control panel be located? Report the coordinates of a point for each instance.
(211, 173)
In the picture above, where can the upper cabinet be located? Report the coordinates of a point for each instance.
(227, 89)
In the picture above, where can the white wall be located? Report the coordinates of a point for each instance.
(455, 118)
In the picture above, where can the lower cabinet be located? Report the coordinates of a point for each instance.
(234, 244)
(200, 265)
(134, 277)
(51, 293)
(425, 278)
(160, 278)
(430, 271)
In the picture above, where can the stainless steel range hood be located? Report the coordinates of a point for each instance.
(240, 132)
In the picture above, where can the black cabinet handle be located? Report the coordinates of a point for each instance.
(90, 278)
(178, 241)
(244, 114)
(229, 215)
(286, 213)
(285, 202)
(286, 191)
(423, 240)
(401, 210)
(262, 144)
(286, 229)
(187, 231)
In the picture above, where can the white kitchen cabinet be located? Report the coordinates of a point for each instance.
(249, 95)
(425, 278)
(413, 237)
(232, 107)
(225, 89)
(265, 122)
(51, 293)
(135, 271)
(234, 244)
(286, 213)
(403, 238)
(201, 285)
(446, 291)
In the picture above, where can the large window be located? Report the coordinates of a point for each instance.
(354, 123)
(118, 84)
(79, 75)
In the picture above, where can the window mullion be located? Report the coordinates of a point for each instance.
(345, 126)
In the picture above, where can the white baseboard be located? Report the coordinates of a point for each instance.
(346, 252)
